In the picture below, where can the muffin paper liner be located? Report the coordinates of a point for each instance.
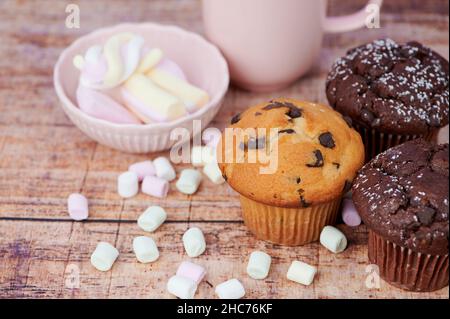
(288, 226)
(406, 269)
(376, 142)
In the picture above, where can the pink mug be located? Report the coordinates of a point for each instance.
(270, 43)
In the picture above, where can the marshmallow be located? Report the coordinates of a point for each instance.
(333, 239)
(301, 272)
(104, 256)
(149, 102)
(191, 271)
(164, 169)
(350, 215)
(231, 289)
(101, 106)
(152, 218)
(145, 249)
(194, 242)
(171, 67)
(128, 184)
(258, 265)
(202, 155)
(143, 169)
(214, 173)
(77, 206)
(182, 287)
(155, 186)
(211, 137)
(150, 60)
(189, 181)
(192, 96)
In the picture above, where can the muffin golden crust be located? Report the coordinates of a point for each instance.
(318, 154)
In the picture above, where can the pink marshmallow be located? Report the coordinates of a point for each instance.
(155, 186)
(211, 137)
(191, 271)
(103, 107)
(349, 213)
(171, 67)
(143, 169)
(77, 206)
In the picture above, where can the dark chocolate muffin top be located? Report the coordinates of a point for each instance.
(397, 89)
(402, 195)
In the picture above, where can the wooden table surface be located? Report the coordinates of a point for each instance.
(44, 158)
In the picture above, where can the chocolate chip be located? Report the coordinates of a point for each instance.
(293, 112)
(326, 140)
(367, 116)
(337, 165)
(347, 187)
(287, 131)
(426, 216)
(242, 146)
(303, 202)
(299, 180)
(236, 118)
(319, 159)
(273, 105)
(256, 144)
(258, 113)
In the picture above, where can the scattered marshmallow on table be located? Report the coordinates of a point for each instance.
(189, 181)
(145, 249)
(182, 287)
(350, 215)
(152, 218)
(77, 205)
(231, 289)
(211, 137)
(213, 172)
(128, 184)
(104, 256)
(142, 169)
(164, 169)
(258, 265)
(333, 239)
(194, 242)
(191, 271)
(202, 155)
(301, 272)
(155, 186)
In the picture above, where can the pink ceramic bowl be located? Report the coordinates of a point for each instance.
(202, 63)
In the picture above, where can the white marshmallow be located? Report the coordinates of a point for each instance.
(194, 242)
(231, 289)
(104, 256)
(152, 218)
(202, 155)
(214, 173)
(145, 249)
(128, 184)
(258, 265)
(182, 287)
(333, 239)
(164, 169)
(301, 272)
(189, 181)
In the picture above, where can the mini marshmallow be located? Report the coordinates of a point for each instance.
(155, 186)
(333, 239)
(202, 155)
(301, 272)
(128, 184)
(231, 289)
(350, 214)
(258, 265)
(214, 173)
(191, 271)
(164, 169)
(194, 242)
(182, 287)
(152, 218)
(211, 137)
(77, 205)
(145, 249)
(189, 181)
(142, 169)
(104, 256)
(208, 155)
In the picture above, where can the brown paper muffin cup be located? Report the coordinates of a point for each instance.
(376, 142)
(288, 226)
(406, 269)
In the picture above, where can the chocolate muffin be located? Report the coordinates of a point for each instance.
(315, 156)
(402, 197)
(391, 92)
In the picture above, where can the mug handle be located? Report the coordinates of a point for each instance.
(349, 22)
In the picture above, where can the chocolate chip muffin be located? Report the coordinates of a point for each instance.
(311, 157)
(402, 197)
(391, 92)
